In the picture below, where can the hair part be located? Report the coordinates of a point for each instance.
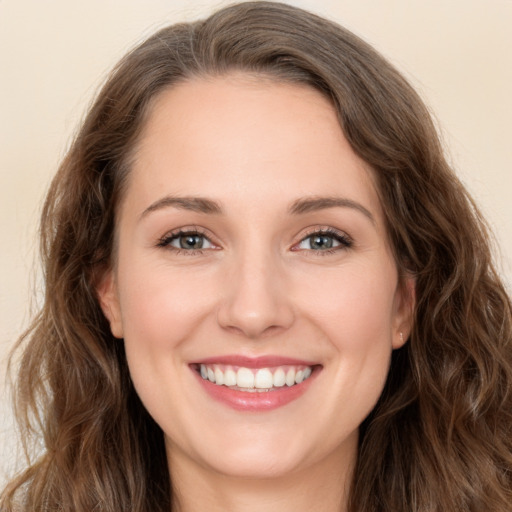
(438, 439)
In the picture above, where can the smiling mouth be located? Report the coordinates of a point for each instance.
(254, 380)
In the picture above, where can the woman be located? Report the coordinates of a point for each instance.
(264, 288)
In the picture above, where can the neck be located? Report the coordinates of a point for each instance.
(321, 487)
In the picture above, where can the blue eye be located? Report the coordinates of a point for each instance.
(324, 241)
(187, 241)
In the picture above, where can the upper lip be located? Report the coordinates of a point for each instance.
(255, 362)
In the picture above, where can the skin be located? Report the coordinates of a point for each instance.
(258, 287)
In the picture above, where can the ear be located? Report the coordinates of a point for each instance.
(106, 289)
(405, 304)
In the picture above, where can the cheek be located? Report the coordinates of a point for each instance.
(354, 306)
(355, 313)
(162, 312)
(161, 308)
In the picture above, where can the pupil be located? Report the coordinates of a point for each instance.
(191, 242)
(321, 242)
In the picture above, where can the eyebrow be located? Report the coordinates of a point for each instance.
(194, 204)
(313, 204)
(298, 207)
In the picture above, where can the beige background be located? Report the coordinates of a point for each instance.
(55, 53)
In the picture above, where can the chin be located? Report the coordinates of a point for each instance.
(255, 453)
(257, 465)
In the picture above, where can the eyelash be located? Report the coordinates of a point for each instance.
(166, 240)
(342, 238)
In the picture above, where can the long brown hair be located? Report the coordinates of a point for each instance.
(440, 437)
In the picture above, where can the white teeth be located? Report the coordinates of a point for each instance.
(248, 379)
(263, 379)
(219, 376)
(290, 377)
(229, 377)
(279, 378)
(244, 378)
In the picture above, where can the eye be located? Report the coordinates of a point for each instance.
(324, 241)
(186, 241)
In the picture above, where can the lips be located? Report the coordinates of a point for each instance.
(255, 384)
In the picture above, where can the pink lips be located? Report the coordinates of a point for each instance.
(256, 362)
(255, 401)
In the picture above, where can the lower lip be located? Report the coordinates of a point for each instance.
(256, 401)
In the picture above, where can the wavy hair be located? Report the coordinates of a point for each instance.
(440, 437)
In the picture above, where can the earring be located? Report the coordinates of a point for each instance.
(401, 337)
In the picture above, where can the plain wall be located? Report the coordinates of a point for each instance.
(55, 53)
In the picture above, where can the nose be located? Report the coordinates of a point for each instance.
(255, 302)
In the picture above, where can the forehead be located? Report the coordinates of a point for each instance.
(236, 137)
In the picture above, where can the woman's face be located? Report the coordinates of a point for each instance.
(252, 252)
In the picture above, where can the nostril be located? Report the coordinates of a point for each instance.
(255, 320)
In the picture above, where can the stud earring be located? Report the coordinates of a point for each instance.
(401, 337)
